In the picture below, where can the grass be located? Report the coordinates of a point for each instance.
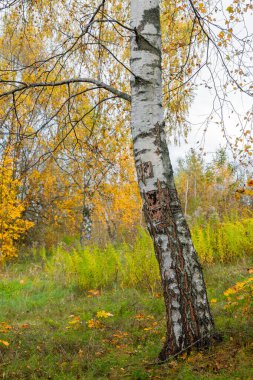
(48, 326)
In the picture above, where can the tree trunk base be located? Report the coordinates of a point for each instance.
(200, 344)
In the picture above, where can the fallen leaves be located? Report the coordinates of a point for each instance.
(147, 322)
(240, 297)
(103, 314)
(5, 327)
(139, 317)
(119, 340)
(94, 324)
(25, 326)
(75, 322)
(93, 293)
(5, 343)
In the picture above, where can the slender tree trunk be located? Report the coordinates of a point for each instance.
(111, 227)
(186, 197)
(86, 224)
(189, 321)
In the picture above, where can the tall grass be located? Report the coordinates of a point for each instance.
(135, 266)
(92, 267)
(224, 242)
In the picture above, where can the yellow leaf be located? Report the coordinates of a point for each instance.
(75, 321)
(93, 324)
(221, 35)
(139, 317)
(5, 343)
(202, 8)
(103, 314)
(25, 326)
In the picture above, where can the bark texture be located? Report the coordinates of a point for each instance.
(189, 321)
(86, 225)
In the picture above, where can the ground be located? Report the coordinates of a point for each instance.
(49, 331)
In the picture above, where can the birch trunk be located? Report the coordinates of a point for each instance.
(189, 321)
(86, 225)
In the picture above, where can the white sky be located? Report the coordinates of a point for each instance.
(203, 102)
(200, 109)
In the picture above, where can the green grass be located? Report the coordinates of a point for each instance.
(44, 345)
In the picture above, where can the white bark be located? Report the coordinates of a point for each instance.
(86, 225)
(188, 315)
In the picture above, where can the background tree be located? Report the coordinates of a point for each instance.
(13, 225)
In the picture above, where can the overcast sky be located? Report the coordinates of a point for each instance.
(203, 103)
(213, 138)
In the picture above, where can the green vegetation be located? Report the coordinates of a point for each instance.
(58, 328)
(224, 242)
(97, 312)
(123, 265)
(135, 266)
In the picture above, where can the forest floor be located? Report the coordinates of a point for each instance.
(49, 331)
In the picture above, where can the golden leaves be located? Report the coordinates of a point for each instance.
(139, 317)
(202, 8)
(230, 9)
(5, 343)
(93, 293)
(74, 323)
(221, 34)
(103, 314)
(25, 326)
(147, 322)
(75, 320)
(5, 327)
(94, 324)
(239, 296)
(11, 208)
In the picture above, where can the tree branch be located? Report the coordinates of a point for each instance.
(27, 86)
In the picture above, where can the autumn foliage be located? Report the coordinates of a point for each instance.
(12, 224)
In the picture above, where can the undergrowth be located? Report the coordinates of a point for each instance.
(135, 266)
(50, 331)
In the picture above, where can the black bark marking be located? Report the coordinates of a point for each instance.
(140, 81)
(157, 133)
(144, 45)
(141, 135)
(145, 171)
(151, 16)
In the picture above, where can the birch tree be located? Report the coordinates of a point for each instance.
(74, 48)
(189, 321)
